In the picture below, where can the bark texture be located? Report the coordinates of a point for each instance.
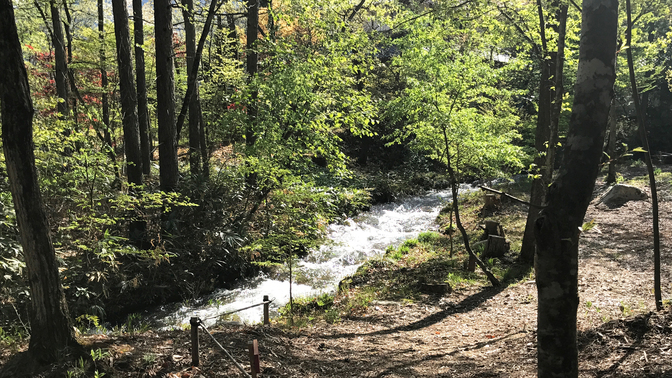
(127, 92)
(557, 229)
(165, 88)
(252, 59)
(51, 329)
(61, 64)
(141, 84)
(194, 108)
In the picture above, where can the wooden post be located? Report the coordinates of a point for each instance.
(267, 321)
(254, 358)
(194, 340)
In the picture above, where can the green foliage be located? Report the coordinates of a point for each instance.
(453, 106)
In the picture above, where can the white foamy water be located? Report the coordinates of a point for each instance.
(351, 243)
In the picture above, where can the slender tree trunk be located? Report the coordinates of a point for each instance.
(252, 60)
(165, 88)
(641, 123)
(61, 63)
(454, 184)
(141, 83)
(51, 327)
(557, 228)
(233, 36)
(561, 16)
(541, 138)
(193, 74)
(194, 114)
(611, 147)
(104, 83)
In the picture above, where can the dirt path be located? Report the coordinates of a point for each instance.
(476, 332)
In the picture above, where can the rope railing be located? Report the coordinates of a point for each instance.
(195, 322)
(265, 303)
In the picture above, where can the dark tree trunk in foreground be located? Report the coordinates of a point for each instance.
(51, 328)
(141, 82)
(61, 64)
(641, 123)
(127, 92)
(558, 227)
(165, 96)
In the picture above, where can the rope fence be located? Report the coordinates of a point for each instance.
(253, 346)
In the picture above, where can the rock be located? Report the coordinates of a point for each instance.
(619, 194)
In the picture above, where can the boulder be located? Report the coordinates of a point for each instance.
(619, 194)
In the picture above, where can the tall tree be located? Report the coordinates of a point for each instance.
(141, 82)
(51, 328)
(558, 227)
(641, 123)
(194, 107)
(165, 95)
(104, 82)
(127, 92)
(61, 64)
(252, 59)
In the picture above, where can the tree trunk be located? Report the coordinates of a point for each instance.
(541, 138)
(194, 108)
(557, 228)
(104, 83)
(611, 147)
(51, 328)
(141, 83)
(556, 109)
(127, 92)
(165, 96)
(641, 123)
(61, 63)
(252, 60)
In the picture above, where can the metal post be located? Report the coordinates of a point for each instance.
(194, 341)
(254, 358)
(267, 321)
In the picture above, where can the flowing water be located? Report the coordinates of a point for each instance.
(350, 244)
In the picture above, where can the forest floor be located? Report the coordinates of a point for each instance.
(475, 331)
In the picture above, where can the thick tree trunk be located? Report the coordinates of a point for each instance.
(194, 108)
(61, 63)
(141, 83)
(51, 329)
(165, 96)
(557, 228)
(640, 108)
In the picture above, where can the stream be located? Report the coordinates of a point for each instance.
(350, 244)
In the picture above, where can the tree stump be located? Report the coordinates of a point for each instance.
(492, 201)
(497, 246)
